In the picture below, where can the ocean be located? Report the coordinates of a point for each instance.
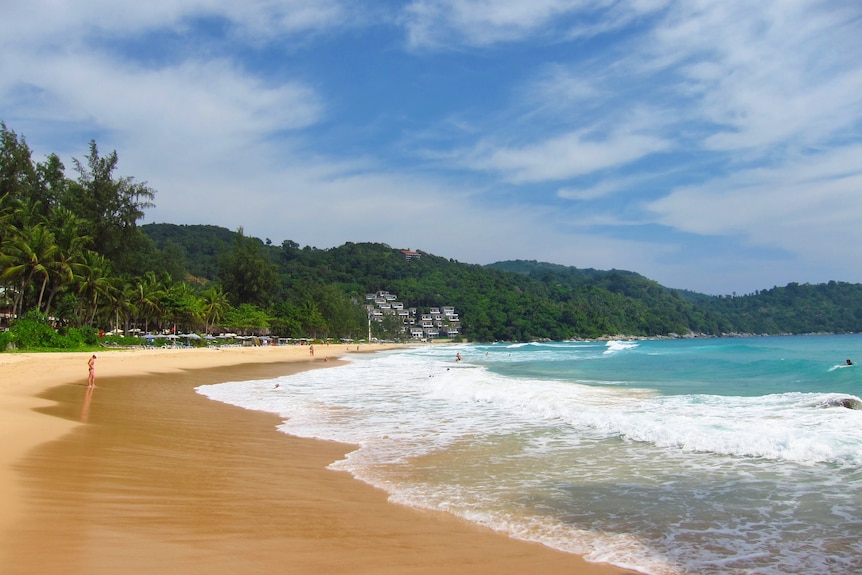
(688, 456)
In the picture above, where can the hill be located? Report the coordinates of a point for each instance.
(522, 300)
(74, 263)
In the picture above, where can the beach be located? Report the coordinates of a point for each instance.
(141, 475)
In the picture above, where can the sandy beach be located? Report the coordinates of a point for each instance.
(143, 475)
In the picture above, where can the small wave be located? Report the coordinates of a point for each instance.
(849, 402)
(614, 346)
(540, 345)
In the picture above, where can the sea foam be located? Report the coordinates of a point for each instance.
(654, 478)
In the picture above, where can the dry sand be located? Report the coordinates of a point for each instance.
(143, 475)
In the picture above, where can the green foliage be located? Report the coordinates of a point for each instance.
(63, 241)
(88, 334)
(246, 318)
(71, 250)
(835, 307)
(18, 177)
(76, 338)
(246, 274)
(109, 205)
(198, 248)
(33, 331)
(524, 300)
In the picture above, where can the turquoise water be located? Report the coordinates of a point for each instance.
(736, 366)
(715, 456)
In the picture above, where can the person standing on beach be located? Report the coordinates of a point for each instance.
(91, 378)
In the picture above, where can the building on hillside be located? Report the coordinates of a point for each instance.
(436, 322)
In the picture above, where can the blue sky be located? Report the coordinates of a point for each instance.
(709, 145)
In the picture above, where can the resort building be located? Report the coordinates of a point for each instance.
(434, 323)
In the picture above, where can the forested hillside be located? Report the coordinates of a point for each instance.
(74, 262)
(524, 300)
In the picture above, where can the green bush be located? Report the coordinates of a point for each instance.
(89, 335)
(74, 338)
(32, 330)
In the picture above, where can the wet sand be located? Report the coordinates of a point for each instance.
(143, 475)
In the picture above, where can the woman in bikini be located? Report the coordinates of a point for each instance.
(91, 379)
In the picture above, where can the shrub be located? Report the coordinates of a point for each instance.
(73, 338)
(32, 330)
(88, 334)
(5, 340)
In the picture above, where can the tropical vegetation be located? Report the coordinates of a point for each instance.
(75, 263)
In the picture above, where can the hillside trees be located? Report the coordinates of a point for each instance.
(215, 305)
(109, 206)
(71, 250)
(525, 300)
(26, 259)
(246, 273)
(64, 243)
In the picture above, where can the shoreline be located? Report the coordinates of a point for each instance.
(144, 474)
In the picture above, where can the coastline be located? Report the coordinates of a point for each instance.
(144, 474)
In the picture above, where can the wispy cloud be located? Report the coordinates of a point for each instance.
(110, 19)
(696, 142)
(787, 74)
(564, 156)
(809, 207)
(436, 23)
(603, 188)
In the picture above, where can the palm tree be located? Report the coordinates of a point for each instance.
(18, 221)
(6, 233)
(122, 306)
(148, 293)
(28, 255)
(182, 306)
(71, 246)
(94, 287)
(215, 302)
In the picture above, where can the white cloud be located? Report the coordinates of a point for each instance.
(787, 73)
(558, 87)
(810, 206)
(431, 23)
(279, 17)
(59, 23)
(565, 156)
(194, 108)
(603, 188)
(759, 106)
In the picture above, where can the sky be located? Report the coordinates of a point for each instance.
(714, 146)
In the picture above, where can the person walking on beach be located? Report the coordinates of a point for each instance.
(91, 378)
